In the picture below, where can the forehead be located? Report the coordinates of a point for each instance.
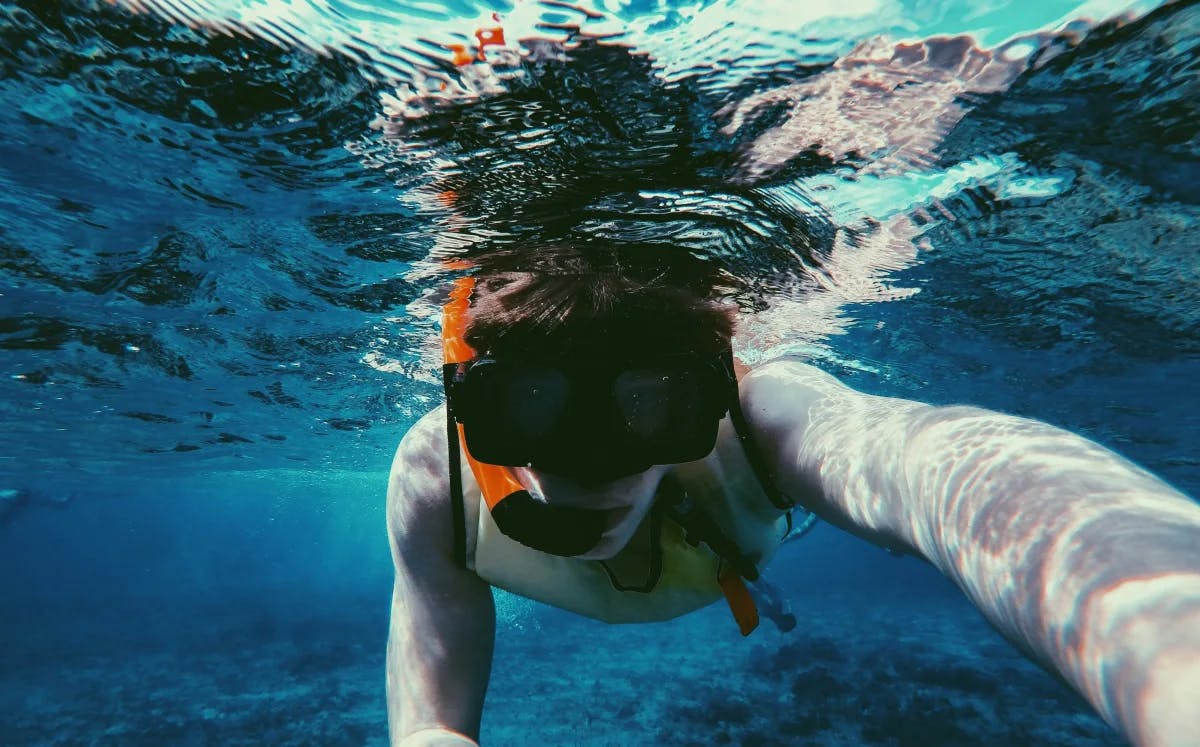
(633, 338)
(606, 350)
(606, 368)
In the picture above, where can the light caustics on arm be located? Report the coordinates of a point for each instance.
(1088, 563)
(442, 624)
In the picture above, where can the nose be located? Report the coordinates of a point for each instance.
(600, 469)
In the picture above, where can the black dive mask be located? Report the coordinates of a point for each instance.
(592, 420)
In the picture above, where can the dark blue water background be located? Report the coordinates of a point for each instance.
(216, 311)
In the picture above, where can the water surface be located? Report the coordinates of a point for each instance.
(222, 255)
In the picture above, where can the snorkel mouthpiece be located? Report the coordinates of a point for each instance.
(552, 529)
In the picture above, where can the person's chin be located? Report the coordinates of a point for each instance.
(625, 502)
(616, 534)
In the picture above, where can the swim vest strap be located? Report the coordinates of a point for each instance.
(699, 527)
(734, 564)
(457, 505)
(741, 604)
(654, 566)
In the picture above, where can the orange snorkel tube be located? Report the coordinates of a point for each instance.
(496, 482)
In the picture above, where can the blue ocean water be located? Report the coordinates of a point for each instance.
(220, 269)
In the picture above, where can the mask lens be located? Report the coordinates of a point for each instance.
(672, 410)
(653, 400)
(512, 409)
(591, 421)
(530, 399)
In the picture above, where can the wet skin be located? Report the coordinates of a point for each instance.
(1086, 562)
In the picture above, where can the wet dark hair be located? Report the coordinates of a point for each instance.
(584, 301)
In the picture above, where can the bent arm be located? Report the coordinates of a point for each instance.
(440, 638)
(1087, 562)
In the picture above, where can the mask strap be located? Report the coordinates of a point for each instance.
(750, 446)
(455, 348)
(457, 507)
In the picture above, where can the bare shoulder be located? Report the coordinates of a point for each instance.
(788, 372)
(777, 393)
(418, 487)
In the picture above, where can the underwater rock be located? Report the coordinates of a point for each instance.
(799, 654)
(925, 720)
(957, 677)
(815, 684)
(805, 724)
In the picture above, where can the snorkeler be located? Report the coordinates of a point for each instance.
(600, 453)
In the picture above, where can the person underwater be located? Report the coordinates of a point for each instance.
(603, 451)
(600, 452)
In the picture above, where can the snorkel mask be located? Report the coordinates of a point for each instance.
(591, 420)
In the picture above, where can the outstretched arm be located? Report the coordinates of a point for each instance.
(1088, 563)
(439, 652)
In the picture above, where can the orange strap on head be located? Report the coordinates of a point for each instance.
(496, 482)
(454, 322)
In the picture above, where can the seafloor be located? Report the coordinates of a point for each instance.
(870, 664)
